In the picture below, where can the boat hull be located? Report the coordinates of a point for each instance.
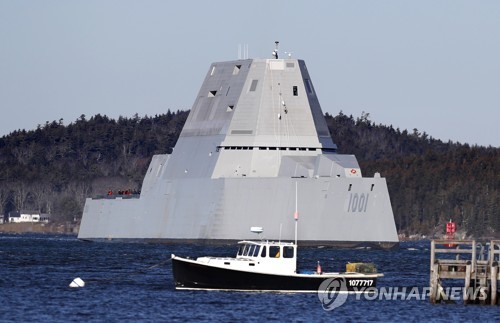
(189, 274)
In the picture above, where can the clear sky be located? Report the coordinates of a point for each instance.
(428, 64)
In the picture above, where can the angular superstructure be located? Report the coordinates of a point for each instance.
(255, 129)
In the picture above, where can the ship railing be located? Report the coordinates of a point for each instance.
(114, 197)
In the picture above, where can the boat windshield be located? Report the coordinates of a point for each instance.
(249, 250)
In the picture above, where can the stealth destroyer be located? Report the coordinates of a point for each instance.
(255, 129)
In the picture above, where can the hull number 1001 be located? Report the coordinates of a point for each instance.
(358, 202)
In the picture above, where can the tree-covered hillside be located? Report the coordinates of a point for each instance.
(53, 168)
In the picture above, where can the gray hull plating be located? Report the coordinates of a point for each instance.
(255, 130)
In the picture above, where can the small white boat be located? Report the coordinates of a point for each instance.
(263, 266)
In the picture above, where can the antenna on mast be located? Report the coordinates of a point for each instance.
(243, 51)
(275, 51)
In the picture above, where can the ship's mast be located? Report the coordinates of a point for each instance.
(296, 215)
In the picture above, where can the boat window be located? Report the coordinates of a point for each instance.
(249, 250)
(263, 253)
(274, 251)
(241, 249)
(288, 252)
(295, 91)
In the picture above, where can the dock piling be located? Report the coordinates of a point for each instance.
(469, 261)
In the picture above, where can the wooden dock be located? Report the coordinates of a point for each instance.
(474, 263)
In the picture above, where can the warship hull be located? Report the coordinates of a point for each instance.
(220, 211)
(255, 129)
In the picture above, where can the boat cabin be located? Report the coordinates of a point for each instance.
(270, 255)
(260, 257)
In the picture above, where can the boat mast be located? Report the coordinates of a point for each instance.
(296, 215)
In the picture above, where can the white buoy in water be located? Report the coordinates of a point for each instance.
(77, 282)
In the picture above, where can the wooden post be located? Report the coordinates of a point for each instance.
(473, 269)
(493, 277)
(433, 246)
(432, 296)
(491, 254)
(468, 269)
(434, 293)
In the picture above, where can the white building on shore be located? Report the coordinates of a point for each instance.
(28, 217)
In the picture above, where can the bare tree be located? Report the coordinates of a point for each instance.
(4, 197)
(80, 190)
(19, 195)
(40, 193)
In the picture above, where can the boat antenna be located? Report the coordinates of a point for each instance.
(296, 214)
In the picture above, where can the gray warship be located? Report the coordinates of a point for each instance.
(255, 129)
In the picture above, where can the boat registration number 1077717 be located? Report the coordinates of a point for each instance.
(360, 282)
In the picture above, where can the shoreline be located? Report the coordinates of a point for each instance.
(43, 228)
(73, 228)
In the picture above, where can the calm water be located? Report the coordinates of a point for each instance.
(123, 284)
